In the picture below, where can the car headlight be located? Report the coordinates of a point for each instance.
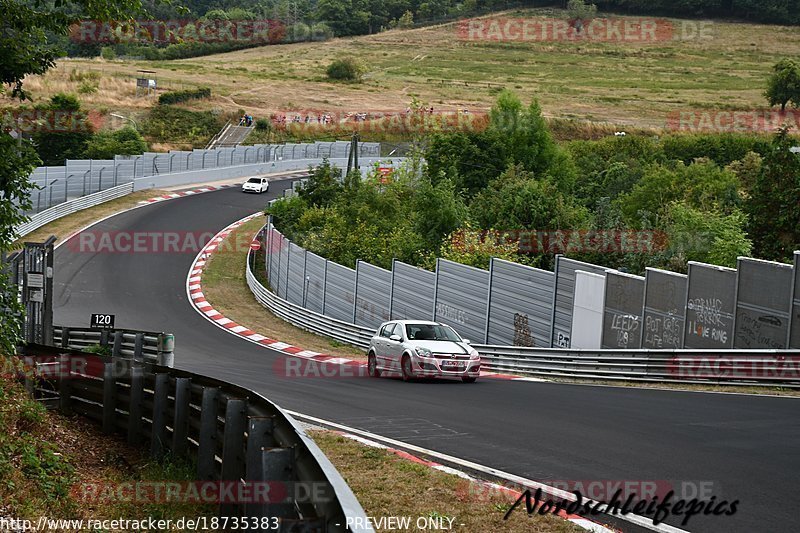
(473, 354)
(423, 352)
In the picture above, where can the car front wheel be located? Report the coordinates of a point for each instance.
(408, 371)
(372, 366)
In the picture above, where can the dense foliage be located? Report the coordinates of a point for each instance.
(26, 50)
(347, 69)
(181, 126)
(304, 20)
(107, 144)
(511, 191)
(177, 97)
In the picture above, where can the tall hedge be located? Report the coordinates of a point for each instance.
(176, 97)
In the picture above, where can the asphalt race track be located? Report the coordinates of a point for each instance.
(748, 447)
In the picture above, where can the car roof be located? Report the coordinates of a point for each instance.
(426, 322)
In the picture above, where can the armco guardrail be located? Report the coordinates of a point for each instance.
(308, 320)
(72, 206)
(779, 368)
(146, 346)
(235, 435)
(741, 367)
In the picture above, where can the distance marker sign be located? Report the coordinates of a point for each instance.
(102, 321)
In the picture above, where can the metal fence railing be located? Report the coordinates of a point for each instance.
(234, 435)
(146, 346)
(72, 206)
(56, 185)
(318, 323)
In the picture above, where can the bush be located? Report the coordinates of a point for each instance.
(108, 53)
(263, 124)
(105, 145)
(176, 97)
(177, 125)
(321, 32)
(88, 87)
(347, 69)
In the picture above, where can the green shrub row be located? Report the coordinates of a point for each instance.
(177, 97)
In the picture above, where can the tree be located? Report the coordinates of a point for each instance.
(525, 139)
(27, 50)
(105, 145)
(703, 185)
(438, 211)
(323, 186)
(472, 247)
(517, 201)
(708, 236)
(69, 140)
(783, 86)
(774, 203)
(579, 13)
(406, 20)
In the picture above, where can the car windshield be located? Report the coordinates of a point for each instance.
(254, 180)
(431, 332)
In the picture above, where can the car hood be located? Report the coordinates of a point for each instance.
(448, 347)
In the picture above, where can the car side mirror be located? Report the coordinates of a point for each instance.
(466, 341)
(395, 338)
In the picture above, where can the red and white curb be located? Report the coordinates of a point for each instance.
(194, 290)
(191, 192)
(489, 487)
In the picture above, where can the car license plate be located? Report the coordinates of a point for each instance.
(452, 365)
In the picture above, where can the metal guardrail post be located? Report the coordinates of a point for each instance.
(277, 464)
(489, 301)
(135, 404)
(109, 398)
(355, 292)
(158, 430)
(207, 441)
(180, 423)
(29, 369)
(65, 337)
(259, 436)
(233, 448)
(138, 344)
(233, 438)
(64, 384)
(166, 346)
(116, 350)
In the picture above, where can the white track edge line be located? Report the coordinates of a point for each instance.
(547, 489)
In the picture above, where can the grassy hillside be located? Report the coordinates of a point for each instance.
(623, 83)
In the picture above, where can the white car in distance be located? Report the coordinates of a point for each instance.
(418, 348)
(257, 185)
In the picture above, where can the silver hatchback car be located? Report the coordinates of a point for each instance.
(418, 348)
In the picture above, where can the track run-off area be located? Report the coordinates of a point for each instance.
(743, 447)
